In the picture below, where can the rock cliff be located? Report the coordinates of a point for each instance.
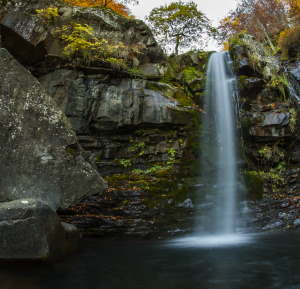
(135, 114)
(269, 118)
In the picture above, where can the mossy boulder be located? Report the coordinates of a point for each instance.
(188, 71)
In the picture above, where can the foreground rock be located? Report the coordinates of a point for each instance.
(40, 157)
(30, 230)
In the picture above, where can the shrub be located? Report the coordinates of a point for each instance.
(80, 42)
(82, 45)
(48, 14)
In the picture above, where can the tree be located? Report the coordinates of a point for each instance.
(294, 9)
(263, 19)
(179, 24)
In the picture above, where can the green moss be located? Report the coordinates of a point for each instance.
(247, 122)
(293, 119)
(254, 183)
(271, 153)
(266, 152)
(191, 74)
(242, 81)
(166, 89)
(71, 151)
(135, 72)
(183, 98)
(126, 163)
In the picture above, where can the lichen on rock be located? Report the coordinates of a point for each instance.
(34, 139)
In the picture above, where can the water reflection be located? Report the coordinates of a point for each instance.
(269, 262)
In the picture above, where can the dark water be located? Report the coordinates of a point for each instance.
(271, 261)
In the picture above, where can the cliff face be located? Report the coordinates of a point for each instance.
(270, 125)
(134, 112)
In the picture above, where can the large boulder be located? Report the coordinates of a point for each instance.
(30, 230)
(40, 157)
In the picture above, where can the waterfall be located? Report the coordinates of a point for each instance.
(218, 218)
(218, 145)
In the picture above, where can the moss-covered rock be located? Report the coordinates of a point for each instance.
(188, 71)
(269, 121)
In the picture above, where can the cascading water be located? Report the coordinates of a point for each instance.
(219, 209)
(218, 143)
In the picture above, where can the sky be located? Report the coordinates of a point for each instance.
(215, 10)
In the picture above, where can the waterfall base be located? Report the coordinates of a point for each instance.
(209, 241)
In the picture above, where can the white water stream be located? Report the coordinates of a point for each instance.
(218, 224)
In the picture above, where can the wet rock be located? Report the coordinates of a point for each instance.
(40, 157)
(187, 204)
(72, 236)
(285, 204)
(176, 231)
(296, 223)
(271, 118)
(70, 230)
(30, 230)
(270, 124)
(294, 69)
(272, 226)
(282, 215)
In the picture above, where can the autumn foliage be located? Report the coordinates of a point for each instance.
(289, 42)
(274, 22)
(294, 8)
(119, 8)
(259, 18)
